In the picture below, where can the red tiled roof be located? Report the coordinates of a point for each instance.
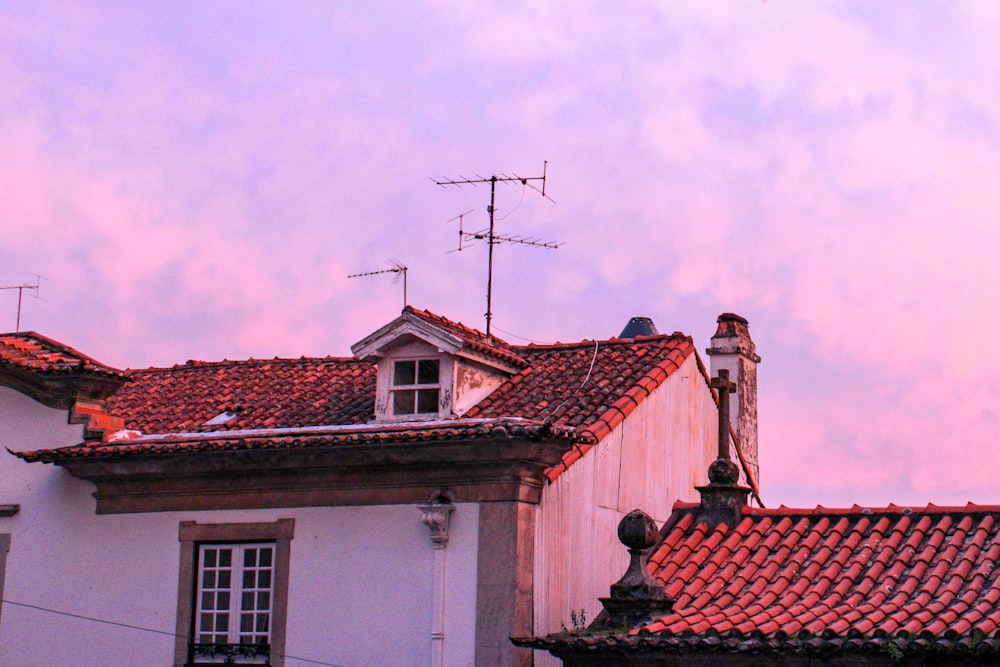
(893, 580)
(277, 393)
(591, 385)
(30, 351)
(587, 388)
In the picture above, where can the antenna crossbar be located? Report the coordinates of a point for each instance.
(20, 295)
(397, 267)
(490, 236)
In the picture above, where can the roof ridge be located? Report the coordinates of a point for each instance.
(587, 342)
(196, 364)
(859, 510)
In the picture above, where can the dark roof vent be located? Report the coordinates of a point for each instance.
(639, 326)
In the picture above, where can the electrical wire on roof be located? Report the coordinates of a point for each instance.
(129, 626)
(530, 340)
(597, 347)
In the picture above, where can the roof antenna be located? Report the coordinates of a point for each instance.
(490, 235)
(20, 295)
(398, 268)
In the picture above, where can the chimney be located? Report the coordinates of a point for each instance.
(733, 350)
(639, 326)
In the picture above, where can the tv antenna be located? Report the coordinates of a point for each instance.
(398, 268)
(489, 235)
(20, 295)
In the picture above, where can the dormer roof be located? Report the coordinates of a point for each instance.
(450, 337)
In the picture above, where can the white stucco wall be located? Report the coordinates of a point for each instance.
(654, 458)
(360, 585)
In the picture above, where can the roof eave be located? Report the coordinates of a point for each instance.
(485, 460)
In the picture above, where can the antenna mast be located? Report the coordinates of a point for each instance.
(397, 267)
(20, 296)
(490, 236)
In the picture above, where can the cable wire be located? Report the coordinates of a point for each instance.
(142, 629)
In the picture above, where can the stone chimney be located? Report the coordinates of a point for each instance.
(733, 350)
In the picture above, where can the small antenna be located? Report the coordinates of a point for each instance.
(20, 295)
(398, 268)
(489, 235)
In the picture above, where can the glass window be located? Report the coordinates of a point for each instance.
(416, 387)
(234, 594)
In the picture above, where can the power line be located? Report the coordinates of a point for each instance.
(129, 626)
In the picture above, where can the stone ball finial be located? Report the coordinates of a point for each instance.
(637, 531)
(722, 471)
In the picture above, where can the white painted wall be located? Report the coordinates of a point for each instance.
(655, 457)
(359, 588)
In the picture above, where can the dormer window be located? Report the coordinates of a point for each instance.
(416, 387)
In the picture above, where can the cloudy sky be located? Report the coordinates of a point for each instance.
(195, 180)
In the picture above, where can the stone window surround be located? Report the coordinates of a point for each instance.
(191, 534)
(4, 548)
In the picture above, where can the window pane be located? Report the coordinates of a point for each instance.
(239, 575)
(427, 401)
(403, 402)
(428, 371)
(405, 372)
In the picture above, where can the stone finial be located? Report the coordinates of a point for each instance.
(636, 596)
(436, 516)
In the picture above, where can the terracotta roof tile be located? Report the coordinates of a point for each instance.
(276, 393)
(894, 580)
(31, 351)
(475, 339)
(857, 572)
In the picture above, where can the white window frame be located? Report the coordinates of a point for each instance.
(416, 387)
(193, 538)
(224, 592)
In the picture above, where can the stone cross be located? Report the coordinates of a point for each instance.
(725, 387)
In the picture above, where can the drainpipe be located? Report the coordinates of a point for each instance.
(436, 516)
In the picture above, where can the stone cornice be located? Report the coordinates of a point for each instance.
(496, 465)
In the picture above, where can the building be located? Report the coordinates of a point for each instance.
(417, 503)
(722, 583)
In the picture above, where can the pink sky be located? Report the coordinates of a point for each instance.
(195, 180)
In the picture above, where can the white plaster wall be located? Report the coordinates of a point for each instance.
(655, 457)
(359, 586)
